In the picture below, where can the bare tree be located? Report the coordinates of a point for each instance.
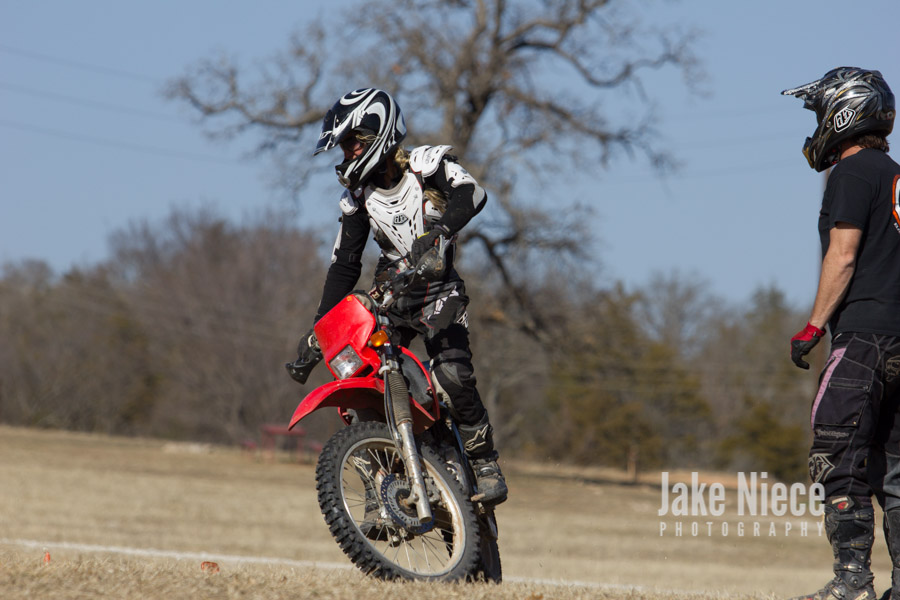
(224, 304)
(675, 308)
(520, 89)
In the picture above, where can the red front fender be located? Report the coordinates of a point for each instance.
(355, 393)
(359, 392)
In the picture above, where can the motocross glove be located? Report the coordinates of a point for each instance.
(803, 342)
(308, 356)
(426, 242)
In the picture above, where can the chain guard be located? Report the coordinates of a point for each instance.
(393, 491)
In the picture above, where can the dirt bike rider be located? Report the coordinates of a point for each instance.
(856, 436)
(412, 201)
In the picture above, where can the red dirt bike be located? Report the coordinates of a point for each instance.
(395, 485)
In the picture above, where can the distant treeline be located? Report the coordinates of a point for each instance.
(183, 332)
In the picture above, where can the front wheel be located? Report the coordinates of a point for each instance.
(489, 567)
(363, 493)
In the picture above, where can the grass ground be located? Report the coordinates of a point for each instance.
(124, 518)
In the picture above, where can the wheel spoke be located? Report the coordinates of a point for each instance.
(406, 547)
(425, 552)
(350, 488)
(435, 544)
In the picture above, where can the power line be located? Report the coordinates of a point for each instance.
(95, 104)
(116, 144)
(652, 178)
(736, 141)
(173, 154)
(78, 65)
(11, 87)
(735, 113)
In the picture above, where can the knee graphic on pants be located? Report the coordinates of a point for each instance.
(457, 377)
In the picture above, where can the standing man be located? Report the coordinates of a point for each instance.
(856, 432)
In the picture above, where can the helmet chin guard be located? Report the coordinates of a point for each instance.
(367, 112)
(848, 102)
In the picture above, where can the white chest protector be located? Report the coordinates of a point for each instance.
(401, 213)
(398, 212)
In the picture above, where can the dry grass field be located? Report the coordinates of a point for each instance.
(125, 518)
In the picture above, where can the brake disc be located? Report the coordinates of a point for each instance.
(395, 493)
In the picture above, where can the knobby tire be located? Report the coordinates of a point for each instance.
(346, 475)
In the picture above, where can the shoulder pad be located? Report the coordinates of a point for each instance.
(425, 159)
(349, 204)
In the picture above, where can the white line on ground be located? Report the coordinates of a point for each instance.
(154, 553)
(178, 555)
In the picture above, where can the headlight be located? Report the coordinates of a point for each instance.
(346, 363)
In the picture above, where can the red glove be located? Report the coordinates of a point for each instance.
(803, 342)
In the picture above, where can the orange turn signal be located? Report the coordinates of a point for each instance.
(378, 339)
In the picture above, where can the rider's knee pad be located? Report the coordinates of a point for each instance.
(457, 380)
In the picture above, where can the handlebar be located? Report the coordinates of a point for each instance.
(397, 285)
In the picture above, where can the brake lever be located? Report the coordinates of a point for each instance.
(402, 280)
(396, 286)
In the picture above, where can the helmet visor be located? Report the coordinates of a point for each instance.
(333, 132)
(811, 94)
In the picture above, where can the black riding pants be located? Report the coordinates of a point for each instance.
(440, 317)
(856, 429)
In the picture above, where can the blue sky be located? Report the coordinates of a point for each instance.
(88, 143)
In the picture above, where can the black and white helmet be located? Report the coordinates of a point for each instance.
(368, 112)
(848, 102)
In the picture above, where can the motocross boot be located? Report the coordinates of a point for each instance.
(851, 531)
(478, 441)
(892, 537)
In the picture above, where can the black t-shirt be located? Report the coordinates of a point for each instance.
(863, 190)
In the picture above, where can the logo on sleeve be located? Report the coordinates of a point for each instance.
(895, 197)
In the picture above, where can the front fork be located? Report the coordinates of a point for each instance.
(414, 468)
(400, 422)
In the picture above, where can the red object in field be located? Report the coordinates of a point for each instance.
(209, 567)
(46, 557)
(269, 431)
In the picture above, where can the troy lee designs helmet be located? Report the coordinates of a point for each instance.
(848, 102)
(370, 113)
